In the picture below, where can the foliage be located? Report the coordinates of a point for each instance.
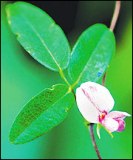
(46, 42)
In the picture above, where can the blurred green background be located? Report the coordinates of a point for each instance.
(23, 77)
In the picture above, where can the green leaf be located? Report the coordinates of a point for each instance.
(42, 113)
(91, 54)
(39, 35)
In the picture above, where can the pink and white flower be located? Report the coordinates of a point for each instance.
(95, 103)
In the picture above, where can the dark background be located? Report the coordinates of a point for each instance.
(67, 13)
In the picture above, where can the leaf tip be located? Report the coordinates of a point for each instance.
(12, 136)
(11, 139)
(7, 9)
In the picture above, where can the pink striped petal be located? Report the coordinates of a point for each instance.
(118, 115)
(111, 124)
(86, 107)
(99, 95)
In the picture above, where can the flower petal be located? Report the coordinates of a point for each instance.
(87, 109)
(121, 125)
(118, 115)
(99, 95)
(111, 124)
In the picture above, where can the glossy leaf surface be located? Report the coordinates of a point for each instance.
(91, 54)
(39, 35)
(42, 113)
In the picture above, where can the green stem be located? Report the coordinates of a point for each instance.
(63, 77)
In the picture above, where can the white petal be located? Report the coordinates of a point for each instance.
(87, 109)
(118, 115)
(99, 95)
(111, 124)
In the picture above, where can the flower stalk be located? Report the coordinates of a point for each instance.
(93, 140)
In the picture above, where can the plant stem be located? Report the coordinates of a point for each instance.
(66, 81)
(104, 78)
(93, 140)
(63, 77)
(115, 15)
(112, 26)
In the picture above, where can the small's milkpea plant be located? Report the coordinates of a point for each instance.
(95, 102)
(80, 68)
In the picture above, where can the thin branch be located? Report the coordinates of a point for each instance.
(115, 15)
(93, 140)
(104, 78)
(112, 26)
